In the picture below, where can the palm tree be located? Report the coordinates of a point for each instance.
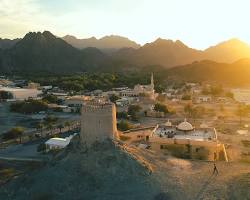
(241, 112)
(50, 127)
(17, 132)
(60, 126)
(40, 126)
(188, 108)
(67, 124)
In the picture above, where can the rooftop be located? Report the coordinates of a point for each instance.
(184, 130)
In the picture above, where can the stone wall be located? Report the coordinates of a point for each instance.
(98, 122)
(202, 150)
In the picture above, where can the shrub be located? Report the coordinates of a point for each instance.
(124, 125)
(50, 98)
(113, 98)
(186, 97)
(124, 137)
(29, 106)
(41, 147)
(13, 133)
(122, 115)
(161, 108)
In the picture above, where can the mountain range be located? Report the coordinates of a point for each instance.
(107, 43)
(7, 43)
(44, 52)
(236, 73)
(170, 53)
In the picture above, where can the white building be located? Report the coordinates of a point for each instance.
(242, 95)
(185, 130)
(76, 102)
(204, 99)
(22, 93)
(141, 90)
(32, 85)
(58, 143)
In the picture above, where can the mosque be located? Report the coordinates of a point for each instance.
(141, 90)
(186, 130)
(186, 141)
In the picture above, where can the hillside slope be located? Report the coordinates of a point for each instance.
(7, 43)
(104, 172)
(237, 73)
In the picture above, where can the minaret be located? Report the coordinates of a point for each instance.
(152, 80)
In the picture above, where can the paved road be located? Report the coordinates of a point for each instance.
(21, 159)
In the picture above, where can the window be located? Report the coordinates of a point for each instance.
(163, 147)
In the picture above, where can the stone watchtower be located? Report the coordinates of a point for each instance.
(98, 122)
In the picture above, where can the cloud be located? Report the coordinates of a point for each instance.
(16, 16)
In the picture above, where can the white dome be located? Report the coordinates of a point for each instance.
(168, 123)
(185, 126)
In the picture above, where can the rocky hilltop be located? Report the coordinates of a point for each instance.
(112, 171)
(106, 171)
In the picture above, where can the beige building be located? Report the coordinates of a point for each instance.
(141, 90)
(98, 122)
(22, 93)
(242, 95)
(32, 85)
(76, 102)
(186, 141)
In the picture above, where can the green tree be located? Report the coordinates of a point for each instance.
(122, 115)
(216, 90)
(197, 111)
(14, 133)
(29, 106)
(67, 124)
(41, 147)
(60, 127)
(133, 111)
(124, 125)
(50, 119)
(186, 97)
(241, 111)
(50, 98)
(39, 127)
(229, 95)
(5, 95)
(113, 98)
(50, 127)
(161, 108)
(188, 109)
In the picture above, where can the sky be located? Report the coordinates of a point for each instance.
(197, 23)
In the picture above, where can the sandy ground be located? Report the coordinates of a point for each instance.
(185, 179)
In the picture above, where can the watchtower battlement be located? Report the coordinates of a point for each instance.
(98, 122)
(97, 107)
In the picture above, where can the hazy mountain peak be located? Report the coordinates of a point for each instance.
(106, 42)
(160, 41)
(39, 35)
(228, 51)
(69, 37)
(48, 35)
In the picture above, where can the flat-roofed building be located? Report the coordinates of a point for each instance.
(187, 141)
(21, 93)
